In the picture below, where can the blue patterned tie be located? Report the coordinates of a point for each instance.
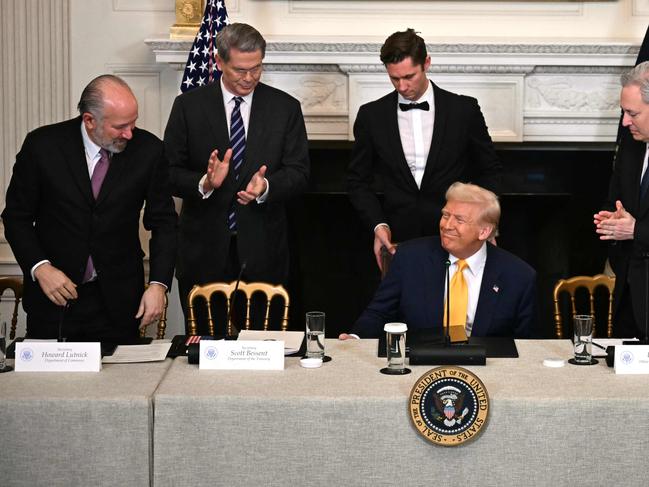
(238, 144)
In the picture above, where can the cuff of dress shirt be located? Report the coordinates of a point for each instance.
(161, 283)
(200, 189)
(36, 266)
(381, 225)
(262, 197)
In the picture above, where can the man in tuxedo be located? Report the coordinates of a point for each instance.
(625, 222)
(238, 152)
(494, 293)
(419, 139)
(72, 218)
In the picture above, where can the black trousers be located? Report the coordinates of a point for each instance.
(631, 313)
(85, 319)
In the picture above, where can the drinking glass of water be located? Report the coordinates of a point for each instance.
(583, 340)
(315, 334)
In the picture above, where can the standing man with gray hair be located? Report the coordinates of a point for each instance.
(238, 152)
(73, 217)
(625, 222)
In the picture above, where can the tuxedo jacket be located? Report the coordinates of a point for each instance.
(413, 292)
(460, 150)
(626, 255)
(51, 214)
(276, 137)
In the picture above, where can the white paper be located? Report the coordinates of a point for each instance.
(129, 354)
(292, 339)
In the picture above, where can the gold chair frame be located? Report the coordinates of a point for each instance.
(590, 283)
(15, 283)
(227, 289)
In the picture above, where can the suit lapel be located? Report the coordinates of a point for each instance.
(214, 112)
(393, 138)
(75, 157)
(260, 117)
(439, 126)
(434, 281)
(639, 149)
(489, 294)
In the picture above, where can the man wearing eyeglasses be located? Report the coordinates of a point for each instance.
(237, 152)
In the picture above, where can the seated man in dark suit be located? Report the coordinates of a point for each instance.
(497, 294)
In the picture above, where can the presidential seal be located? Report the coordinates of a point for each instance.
(449, 406)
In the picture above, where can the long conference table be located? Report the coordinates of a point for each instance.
(171, 424)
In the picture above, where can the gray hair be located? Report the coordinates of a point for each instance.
(92, 97)
(242, 37)
(472, 193)
(638, 76)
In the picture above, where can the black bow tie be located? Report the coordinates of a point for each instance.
(413, 106)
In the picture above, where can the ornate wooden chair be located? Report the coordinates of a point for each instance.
(162, 322)
(15, 283)
(590, 283)
(206, 291)
(386, 260)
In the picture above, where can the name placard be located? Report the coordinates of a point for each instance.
(632, 359)
(241, 355)
(58, 357)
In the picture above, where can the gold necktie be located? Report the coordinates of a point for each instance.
(459, 293)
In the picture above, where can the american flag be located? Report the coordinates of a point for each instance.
(201, 68)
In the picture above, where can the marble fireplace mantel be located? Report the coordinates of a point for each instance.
(532, 92)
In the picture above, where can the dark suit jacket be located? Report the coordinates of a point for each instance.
(461, 150)
(277, 138)
(626, 255)
(413, 292)
(51, 214)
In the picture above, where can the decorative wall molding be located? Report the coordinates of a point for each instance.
(640, 8)
(555, 91)
(144, 5)
(412, 8)
(35, 60)
(144, 80)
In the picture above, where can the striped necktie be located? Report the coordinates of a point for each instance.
(238, 144)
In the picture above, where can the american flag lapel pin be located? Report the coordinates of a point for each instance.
(495, 288)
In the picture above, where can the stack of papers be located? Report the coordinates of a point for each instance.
(129, 354)
(292, 339)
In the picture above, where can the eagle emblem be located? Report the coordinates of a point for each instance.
(449, 402)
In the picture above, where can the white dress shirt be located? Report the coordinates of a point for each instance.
(644, 162)
(473, 277)
(416, 132)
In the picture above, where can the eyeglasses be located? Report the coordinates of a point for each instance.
(254, 72)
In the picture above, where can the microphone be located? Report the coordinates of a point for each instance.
(232, 299)
(64, 309)
(448, 353)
